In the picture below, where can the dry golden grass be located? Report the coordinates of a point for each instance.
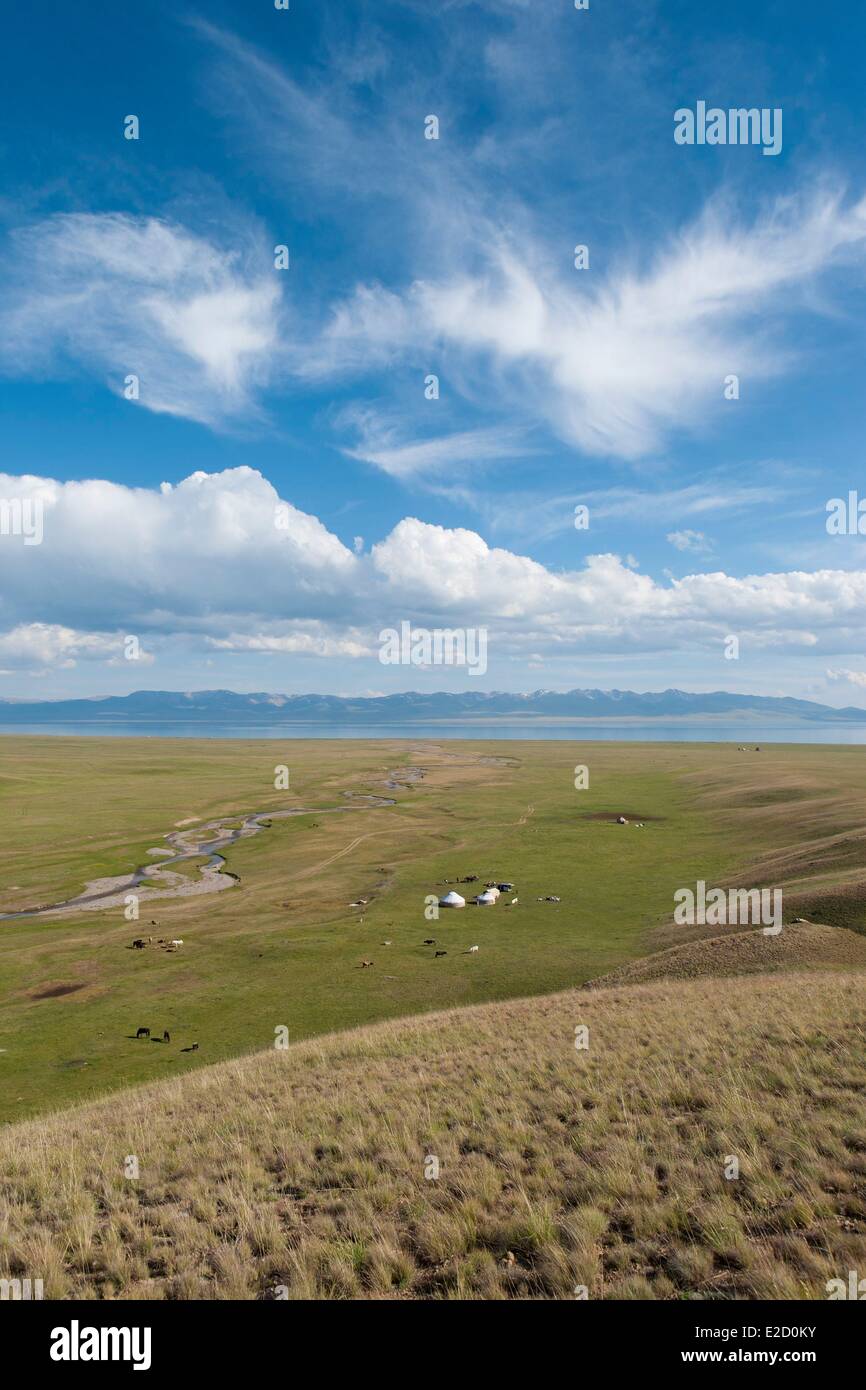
(304, 1170)
(800, 946)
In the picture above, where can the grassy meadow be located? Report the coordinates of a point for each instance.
(284, 947)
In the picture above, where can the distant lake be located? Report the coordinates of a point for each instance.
(582, 731)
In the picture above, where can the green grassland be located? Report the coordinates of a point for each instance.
(283, 948)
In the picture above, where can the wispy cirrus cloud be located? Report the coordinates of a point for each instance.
(123, 295)
(539, 516)
(616, 363)
(616, 360)
(382, 441)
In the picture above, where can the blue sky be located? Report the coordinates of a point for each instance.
(410, 257)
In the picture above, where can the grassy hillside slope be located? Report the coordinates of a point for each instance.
(802, 945)
(301, 1173)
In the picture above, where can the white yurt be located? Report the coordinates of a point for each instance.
(452, 899)
(487, 898)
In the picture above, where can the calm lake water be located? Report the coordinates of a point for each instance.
(706, 731)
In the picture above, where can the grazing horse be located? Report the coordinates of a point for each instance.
(143, 1033)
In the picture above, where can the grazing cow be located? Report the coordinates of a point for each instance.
(138, 943)
(472, 950)
(429, 941)
(365, 964)
(175, 943)
(166, 1037)
(143, 1033)
(437, 954)
(193, 1047)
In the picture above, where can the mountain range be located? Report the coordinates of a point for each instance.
(262, 708)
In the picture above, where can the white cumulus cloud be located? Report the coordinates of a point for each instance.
(220, 563)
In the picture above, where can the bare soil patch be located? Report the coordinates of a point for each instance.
(56, 991)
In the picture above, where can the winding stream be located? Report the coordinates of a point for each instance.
(188, 844)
